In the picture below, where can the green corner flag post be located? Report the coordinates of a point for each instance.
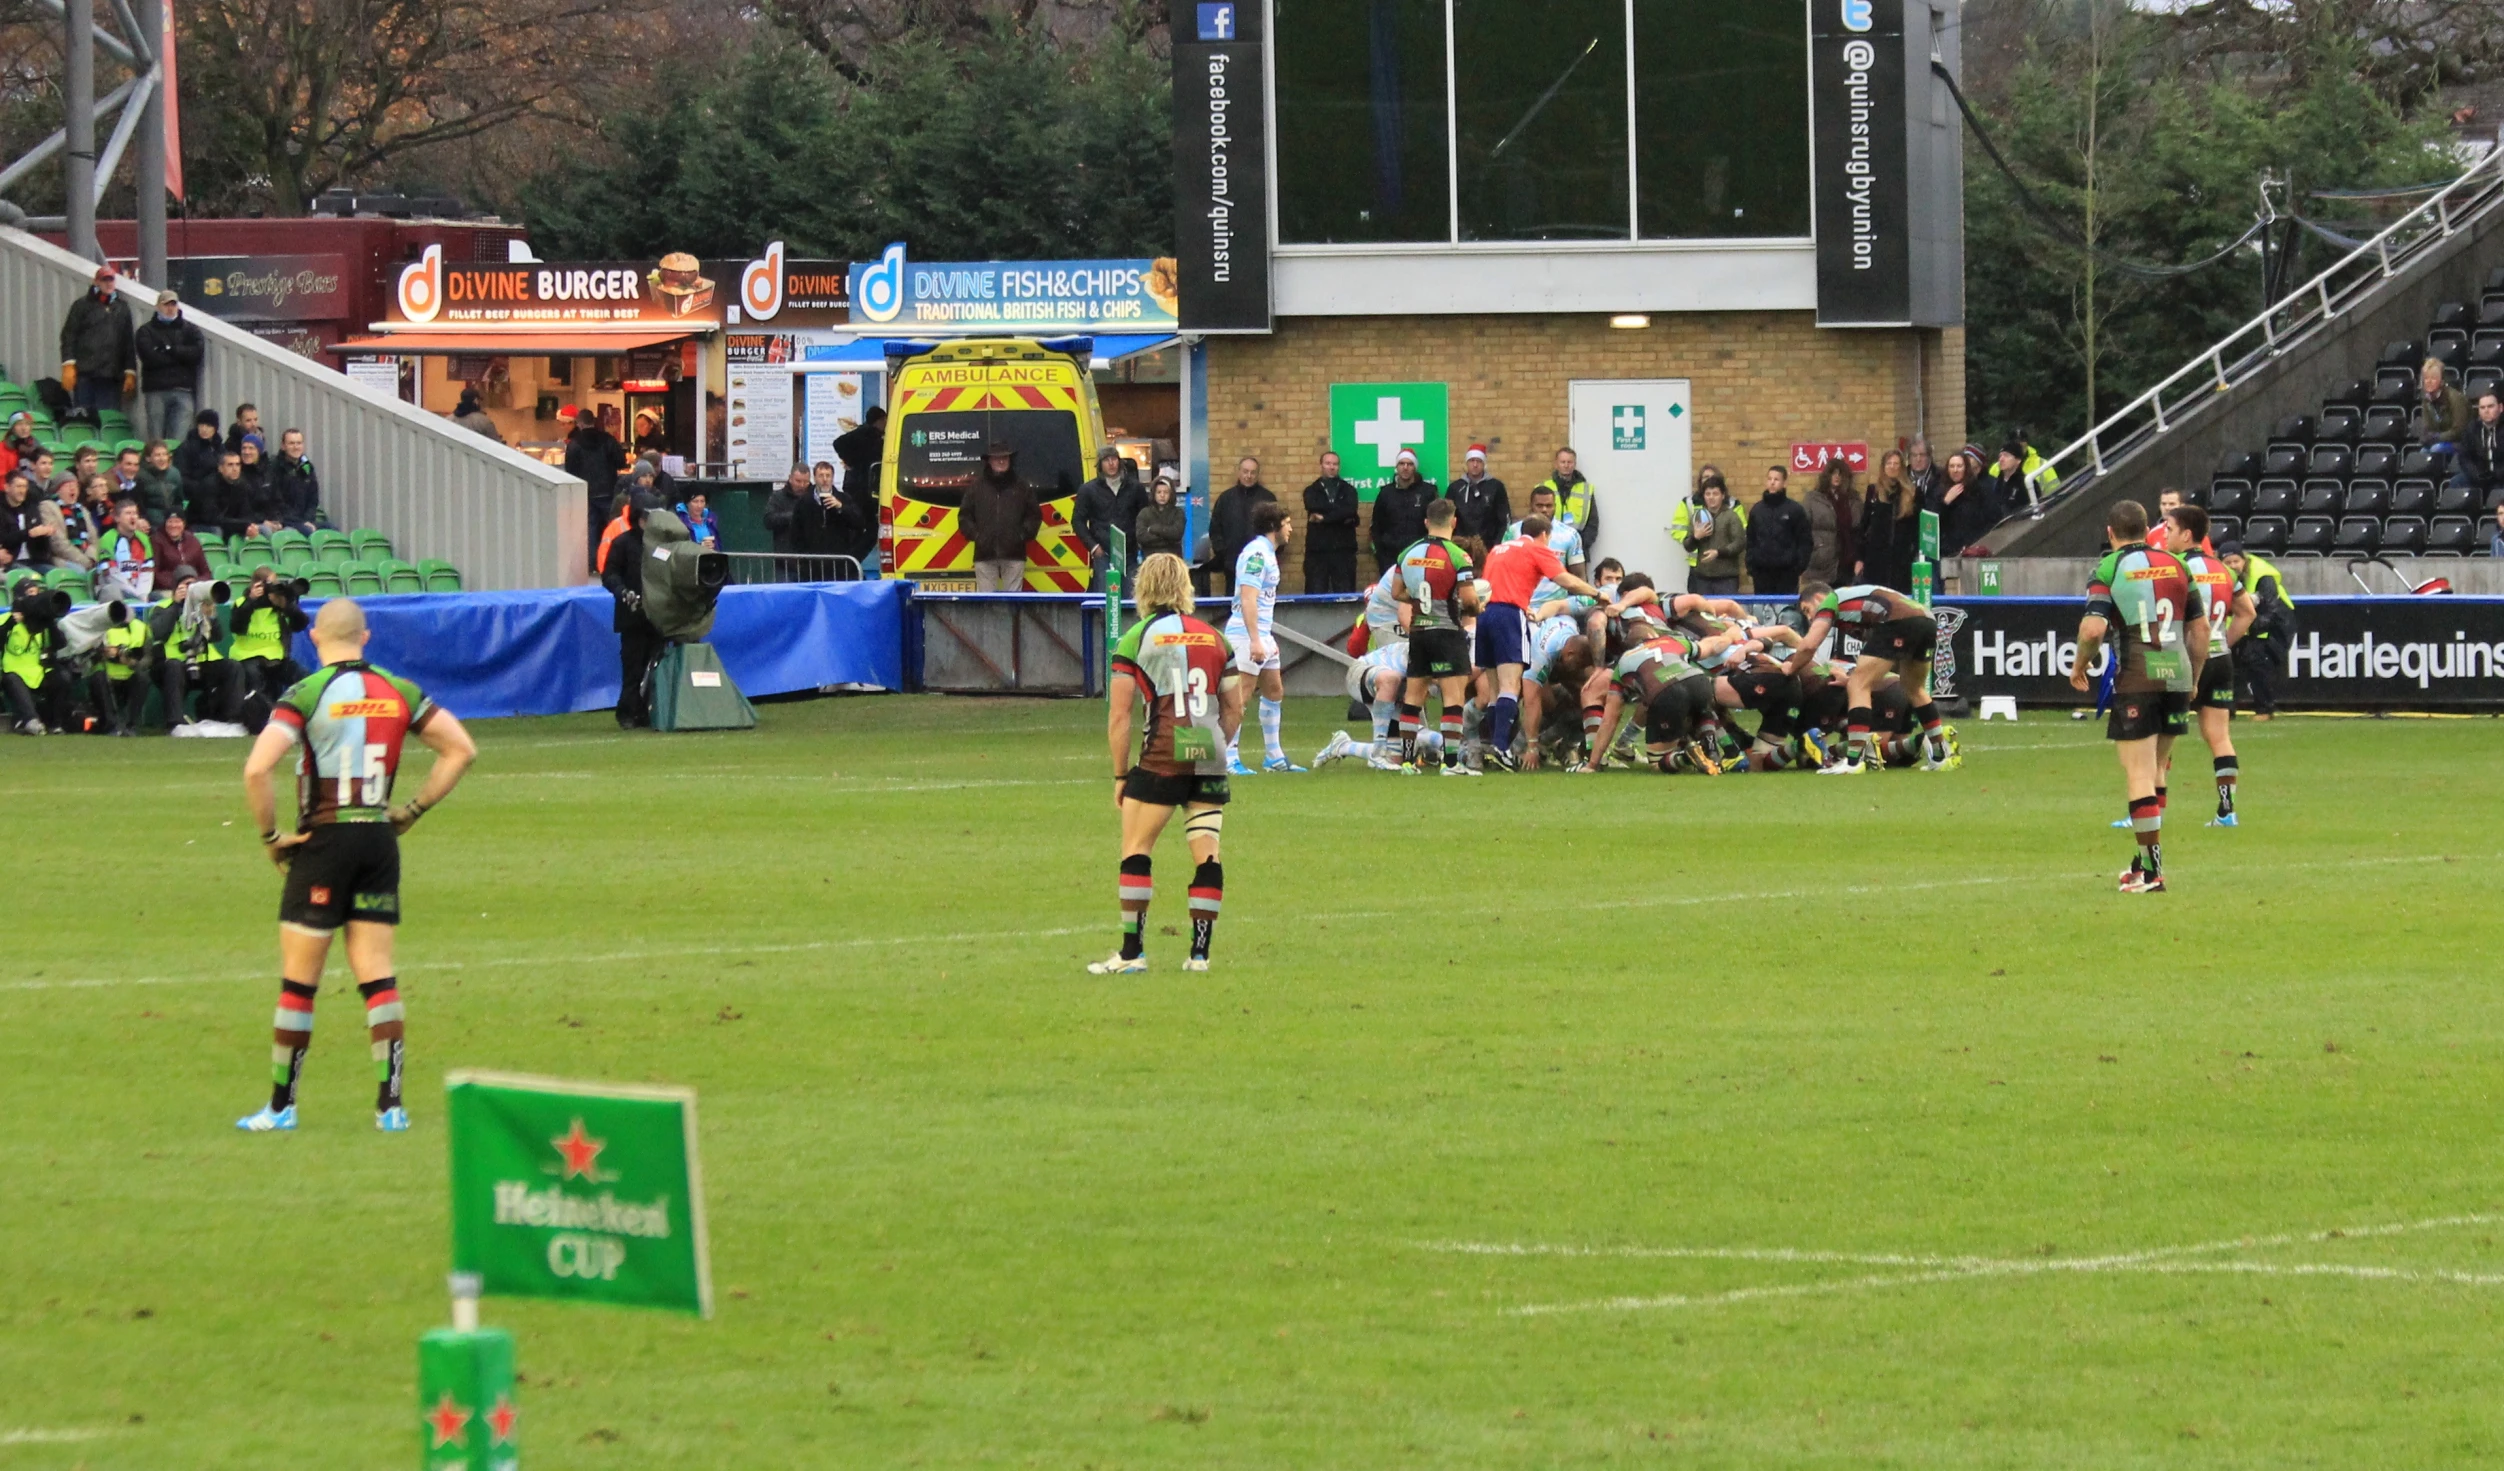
(582, 1191)
(1926, 564)
(1116, 563)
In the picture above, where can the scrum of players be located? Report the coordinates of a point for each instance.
(1613, 673)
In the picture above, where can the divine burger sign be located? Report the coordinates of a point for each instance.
(677, 290)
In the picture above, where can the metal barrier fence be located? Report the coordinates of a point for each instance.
(754, 568)
(1053, 643)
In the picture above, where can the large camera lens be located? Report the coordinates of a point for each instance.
(295, 586)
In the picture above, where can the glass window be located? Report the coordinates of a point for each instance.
(1361, 121)
(943, 452)
(1541, 92)
(1721, 117)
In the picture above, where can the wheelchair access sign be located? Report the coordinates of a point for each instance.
(583, 1191)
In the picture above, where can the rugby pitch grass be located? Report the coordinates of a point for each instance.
(1534, 1121)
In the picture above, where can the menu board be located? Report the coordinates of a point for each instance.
(377, 376)
(835, 404)
(760, 421)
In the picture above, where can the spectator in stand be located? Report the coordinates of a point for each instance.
(299, 485)
(1890, 526)
(1230, 520)
(697, 512)
(98, 501)
(98, 364)
(126, 559)
(1964, 507)
(170, 350)
(20, 446)
(2441, 416)
(593, 456)
(1331, 512)
(160, 490)
(472, 415)
(649, 435)
(664, 484)
(19, 518)
(1779, 538)
(247, 421)
(2479, 463)
(832, 521)
(1922, 471)
(1097, 510)
(228, 500)
(1000, 516)
(86, 517)
(1400, 512)
(1481, 507)
(126, 473)
(782, 516)
(1718, 538)
(1833, 514)
(85, 463)
(1577, 500)
(195, 460)
(179, 555)
(268, 502)
(1162, 519)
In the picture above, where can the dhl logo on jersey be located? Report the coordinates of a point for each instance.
(364, 709)
(2146, 574)
(1186, 638)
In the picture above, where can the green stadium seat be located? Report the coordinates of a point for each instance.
(221, 570)
(326, 540)
(399, 576)
(134, 446)
(321, 581)
(335, 558)
(298, 560)
(212, 542)
(371, 546)
(362, 579)
(440, 576)
(112, 417)
(252, 551)
(72, 578)
(17, 575)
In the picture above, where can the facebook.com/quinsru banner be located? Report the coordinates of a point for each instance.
(2353, 653)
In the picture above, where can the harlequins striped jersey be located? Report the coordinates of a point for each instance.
(1864, 607)
(1433, 571)
(1653, 666)
(1179, 663)
(2145, 597)
(351, 720)
(2214, 581)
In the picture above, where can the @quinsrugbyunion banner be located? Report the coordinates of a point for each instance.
(584, 1191)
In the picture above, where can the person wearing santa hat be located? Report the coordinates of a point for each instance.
(1480, 506)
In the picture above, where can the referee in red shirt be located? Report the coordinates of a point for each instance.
(1513, 573)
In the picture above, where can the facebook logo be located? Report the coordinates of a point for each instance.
(1217, 22)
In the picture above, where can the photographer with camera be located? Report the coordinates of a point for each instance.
(30, 637)
(189, 632)
(117, 685)
(639, 644)
(263, 622)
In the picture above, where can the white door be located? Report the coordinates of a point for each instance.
(1634, 438)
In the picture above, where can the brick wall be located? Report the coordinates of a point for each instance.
(1762, 381)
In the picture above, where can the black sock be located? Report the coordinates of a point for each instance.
(1208, 893)
(283, 1088)
(387, 1089)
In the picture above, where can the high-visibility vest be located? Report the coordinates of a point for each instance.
(23, 653)
(1575, 504)
(131, 635)
(2257, 570)
(260, 638)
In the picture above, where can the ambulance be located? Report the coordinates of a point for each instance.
(948, 403)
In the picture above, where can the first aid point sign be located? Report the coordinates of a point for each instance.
(583, 1191)
(1370, 423)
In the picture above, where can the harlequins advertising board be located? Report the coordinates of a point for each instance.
(1221, 189)
(1857, 127)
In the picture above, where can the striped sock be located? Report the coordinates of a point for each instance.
(1271, 710)
(291, 1036)
(1856, 730)
(1411, 717)
(2147, 823)
(1208, 894)
(1136, 889)
(1591, 715)
(1450, 725)
(387, 1037)
(2227, 772)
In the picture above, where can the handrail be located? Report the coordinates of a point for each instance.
(2249, 348)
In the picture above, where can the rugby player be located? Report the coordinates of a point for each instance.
(1659, 677)
(1560, 661)
(1897, 637)
(1564, 537)
(1437, 590)
(1250, 629)
(1177, 665)
(2230, 616)
(1383, 625)
(1514, 572)
(347, 723)
(2144, 600)
(1373, 681)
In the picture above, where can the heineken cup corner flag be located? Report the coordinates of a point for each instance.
(584, 1191)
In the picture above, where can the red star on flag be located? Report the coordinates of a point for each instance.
(500, 1419)
(446, 1421)
(579, 1149)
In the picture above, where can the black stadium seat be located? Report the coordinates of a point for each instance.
(2312, 536)
(2495, 279)
(2266, 535)
(2402, 353)
(2384, 424)
(2404, 536)
(2412, 497)
(2454, 500)
(2223, 529)
(2293, 429)
(2275, 497)
(2358, 536)
(2228, 495)
(2284, 460)
(2376, 460)
(2239, 464)
(2332, 459)
(2321, 497)
(2486, 347)
(2451, 536)
(2479, 379)
(2355, 391)
(2449, 345)
(2452, 314)
(2491, 312)
(2366, 498)
(2418, 461)
(2395, 387)
(2495, 498)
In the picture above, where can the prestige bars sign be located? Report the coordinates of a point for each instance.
(1857, 124)
(1221, 169)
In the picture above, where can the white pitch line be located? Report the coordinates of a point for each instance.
(49, 1437)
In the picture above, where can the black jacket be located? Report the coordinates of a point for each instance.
(594, 457)
(1158, 529)
(299, 485)
(2481, 454)
(195, 459)
(222, 502)
(96, 335)
(15, 522)
(782, 515)
(169, 355)
(1335, 501)
(1483, 510)
(623, 577)
(266, 498)
(1400, 519)
(1230, 521)
(1098, 509)
(999, 517)
(1778, 537)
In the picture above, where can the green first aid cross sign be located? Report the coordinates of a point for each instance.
(583, 1191)
(1370, 423)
